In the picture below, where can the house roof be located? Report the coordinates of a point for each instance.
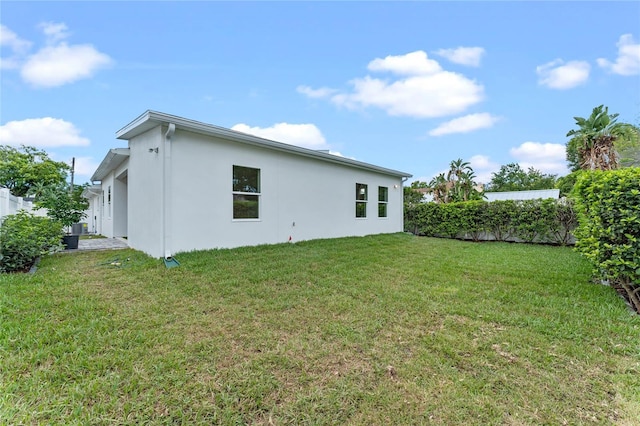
(113, 159)
(91, 190)
(151, 119)
(523, 195)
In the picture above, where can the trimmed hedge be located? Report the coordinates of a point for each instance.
(24, 237)
(533, 221)
(609, 230)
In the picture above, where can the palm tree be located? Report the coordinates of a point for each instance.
(595, 137)
(438, 187)
(457, 185)
(461, 178)
(458, 169)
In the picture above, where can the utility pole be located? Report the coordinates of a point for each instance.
(73, 167)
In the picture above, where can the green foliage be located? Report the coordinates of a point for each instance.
(628, 146)
(501, 216)
(512, 177)
(25, 168)
(566, 220)
(566, 183)
(411, 195)
(65, 206)
(539, 221)
(609, 227)
(24, 237)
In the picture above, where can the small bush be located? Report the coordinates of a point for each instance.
(24, 237)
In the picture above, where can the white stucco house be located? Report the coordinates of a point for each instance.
(183, 185)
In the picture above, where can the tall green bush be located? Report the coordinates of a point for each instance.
(24, 237)
(609, 227)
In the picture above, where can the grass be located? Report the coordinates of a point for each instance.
(378, 330)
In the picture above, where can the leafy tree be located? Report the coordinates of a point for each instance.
(512, 177)
(64, 205)
(566, 183)
(411, 195)
(25, 167)
(592, 146)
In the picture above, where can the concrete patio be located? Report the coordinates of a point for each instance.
(101, 244)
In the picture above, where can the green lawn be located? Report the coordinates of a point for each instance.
(378, 330)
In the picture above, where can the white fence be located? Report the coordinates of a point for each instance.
(10, 204)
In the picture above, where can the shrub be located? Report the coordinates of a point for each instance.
(539, 221)
(500, 218)
(24, 237)
(608, 233)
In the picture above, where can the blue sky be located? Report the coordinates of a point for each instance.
(405, 85)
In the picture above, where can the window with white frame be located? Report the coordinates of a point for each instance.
(246, 193)
(361, 200)
(383, 200)
(109, 201)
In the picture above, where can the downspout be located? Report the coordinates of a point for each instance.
(166, 193)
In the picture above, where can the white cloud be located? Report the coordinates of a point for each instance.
(423, 90)
(11, 39)
(17, 46)
(546, 157)
(61, 64)
(465, 124)
(55, 64)
(470, 56)
(628, 60)
(414, 63)
(483, 167)
(54, 31)
(304, 135)
(322, 92)
(41, 132)
(558, 75)
(85, 166)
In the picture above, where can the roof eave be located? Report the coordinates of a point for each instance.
(151, 119)
(113, 159)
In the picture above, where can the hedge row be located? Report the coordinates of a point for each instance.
(609, 228)
(532, 221)
(24, 237)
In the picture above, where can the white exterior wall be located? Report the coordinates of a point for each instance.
(94, 219)
(106, 207)
(113, 211)
(301, 197)
(144, 182)
(10, 204)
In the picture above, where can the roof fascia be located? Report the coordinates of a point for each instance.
(151, 119)
(113, 159)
